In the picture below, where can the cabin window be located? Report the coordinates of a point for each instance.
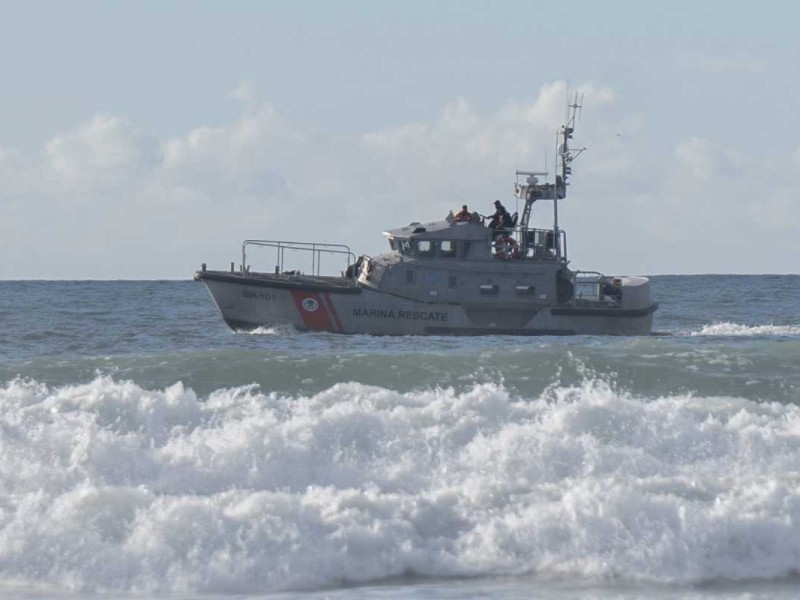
(464, 249)
(489, 290)
(410, 276)
(525, 290)
(392, 244)
(406, 248)
(447, 248)
(451, 281)
(426, 248)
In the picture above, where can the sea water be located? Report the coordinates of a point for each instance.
(147, 451)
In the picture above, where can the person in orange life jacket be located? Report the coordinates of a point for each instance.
(463, 215)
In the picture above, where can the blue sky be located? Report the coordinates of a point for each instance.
(140, 139)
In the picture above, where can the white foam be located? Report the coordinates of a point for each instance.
(737, 330)
(108, 486)
(280, 330)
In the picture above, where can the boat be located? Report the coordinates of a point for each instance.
(457, 276)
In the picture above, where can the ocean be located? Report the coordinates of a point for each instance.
(147, 451)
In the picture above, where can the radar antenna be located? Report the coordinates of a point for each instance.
(528, 184)
(565, 153)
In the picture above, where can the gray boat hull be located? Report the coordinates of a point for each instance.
(341, 305)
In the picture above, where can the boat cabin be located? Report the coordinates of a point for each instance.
(473, 241)
(443, 240)
(450, 261)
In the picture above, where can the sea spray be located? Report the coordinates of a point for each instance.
(107, 485)
(737, 329)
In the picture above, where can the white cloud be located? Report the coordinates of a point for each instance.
(103, 150)
(467, 156)
(239, 159)
(704, 159)
(246, 93)
(108, 200)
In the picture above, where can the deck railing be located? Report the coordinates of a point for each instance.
(281, 247)
(545, 243)
(592, 287)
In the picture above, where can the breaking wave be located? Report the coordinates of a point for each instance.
(110, 486)
(734, 329)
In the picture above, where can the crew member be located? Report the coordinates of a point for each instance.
(500, 219)
(463, 215)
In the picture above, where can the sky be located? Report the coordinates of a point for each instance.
(141, 139)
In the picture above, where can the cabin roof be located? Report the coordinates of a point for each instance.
(440, 230)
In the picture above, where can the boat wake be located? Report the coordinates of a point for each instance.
(276, 330)
(108, 485)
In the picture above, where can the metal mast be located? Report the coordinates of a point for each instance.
(532, 189)
(565, 153)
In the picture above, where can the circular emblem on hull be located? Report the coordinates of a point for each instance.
(310, 305)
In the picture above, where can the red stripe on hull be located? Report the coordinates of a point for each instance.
(312, 310)
(332, 310)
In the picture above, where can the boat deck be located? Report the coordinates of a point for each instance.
(320, 283)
